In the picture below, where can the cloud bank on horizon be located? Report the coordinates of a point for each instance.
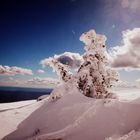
(36, 82)
(42, 82)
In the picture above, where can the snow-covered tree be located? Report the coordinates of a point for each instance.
(94, 78)
(61, 69)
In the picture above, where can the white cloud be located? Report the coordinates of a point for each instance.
(10, 81)
(7, 70)
(73, 60)
(41, 71)
(127, 56)
(42, 82)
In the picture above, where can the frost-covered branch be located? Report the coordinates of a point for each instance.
(61, 69)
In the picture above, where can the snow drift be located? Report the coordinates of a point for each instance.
(76, 117)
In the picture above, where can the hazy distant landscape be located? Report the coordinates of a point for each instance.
(13, 94)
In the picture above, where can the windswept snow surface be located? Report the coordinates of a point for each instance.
(12, 114)
(74, 116)
(15, 105)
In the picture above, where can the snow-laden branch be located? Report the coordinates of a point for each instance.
(61, 69)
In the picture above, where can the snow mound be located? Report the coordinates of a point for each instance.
(77, 117)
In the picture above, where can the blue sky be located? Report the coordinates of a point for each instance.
(31, 30)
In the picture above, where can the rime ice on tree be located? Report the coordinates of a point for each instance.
(61, 69)
(95, 77)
